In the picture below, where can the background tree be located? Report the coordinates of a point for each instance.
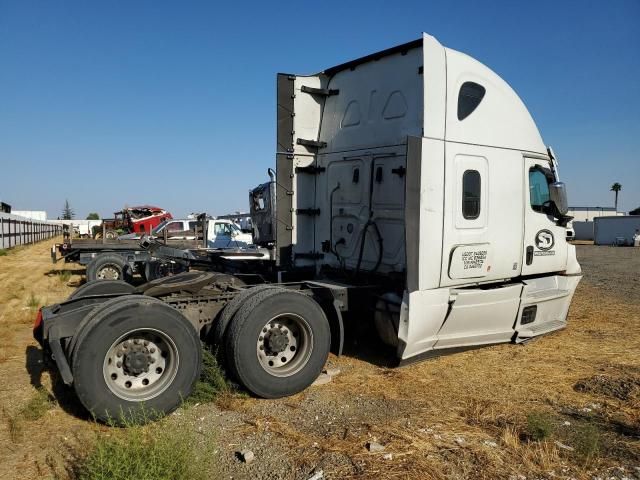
(67, 211)
(635, 212)
(93, 216)
(616, 187)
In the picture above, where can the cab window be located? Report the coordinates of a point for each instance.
(258, 202)
(471, 189)
(222, 229)
(538, 190)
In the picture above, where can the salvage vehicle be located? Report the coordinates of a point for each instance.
(133, 220)
(412, 191)
(222, 232)
(122, 257)
(182, 228)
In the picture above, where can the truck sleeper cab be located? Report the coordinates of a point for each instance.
(422, 165)
(413, 180)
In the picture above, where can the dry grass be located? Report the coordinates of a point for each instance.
(35, 408)
(469, 415)
(28, 280)
(462, 416)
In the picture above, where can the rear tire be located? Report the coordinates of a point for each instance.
(102, 287)
(109, 266)
(219, 330)
(154, 269)
(278, 343)
(135, 361)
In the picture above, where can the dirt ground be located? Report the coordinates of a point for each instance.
(614, 270)
(471, 415)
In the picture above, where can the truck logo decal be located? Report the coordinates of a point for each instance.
(544, 240)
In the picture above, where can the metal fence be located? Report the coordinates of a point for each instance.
(15, 230)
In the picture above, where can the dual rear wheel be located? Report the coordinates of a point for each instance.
(277, 342)
(135, 357)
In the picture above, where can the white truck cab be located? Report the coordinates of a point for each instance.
(421, 166)
(226, 234)
(221, 233)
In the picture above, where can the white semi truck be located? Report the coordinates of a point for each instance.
(413, 193)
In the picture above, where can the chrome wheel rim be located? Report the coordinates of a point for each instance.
(284, 345)
(109, 272)
(140, 365)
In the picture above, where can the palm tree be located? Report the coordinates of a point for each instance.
(616, 187)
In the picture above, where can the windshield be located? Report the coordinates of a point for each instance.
(159, 228)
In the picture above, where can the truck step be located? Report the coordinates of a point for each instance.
(534, 330)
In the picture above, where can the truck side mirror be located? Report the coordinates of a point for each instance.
(558, 195)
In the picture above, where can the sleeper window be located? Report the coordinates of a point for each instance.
(471, 188)
(469, 97)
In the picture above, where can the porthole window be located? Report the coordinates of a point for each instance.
(471, 189)
(469, 97)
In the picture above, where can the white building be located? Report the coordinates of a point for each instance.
(587, 214)
(583, 217)
(615, 230)
(39, 215)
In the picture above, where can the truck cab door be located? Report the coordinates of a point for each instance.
(544, 240)
(221, 235)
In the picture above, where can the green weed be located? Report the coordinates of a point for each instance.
(39, 404)
(212, 381)
(539, 426)
(64, 276)
(33, 302)
(586, 441)
(155, 452)
(14, 425)
(33, 410)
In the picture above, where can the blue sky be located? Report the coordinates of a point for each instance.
(173, 103)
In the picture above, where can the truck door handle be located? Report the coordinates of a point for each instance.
(400, 171)
(529, 255)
